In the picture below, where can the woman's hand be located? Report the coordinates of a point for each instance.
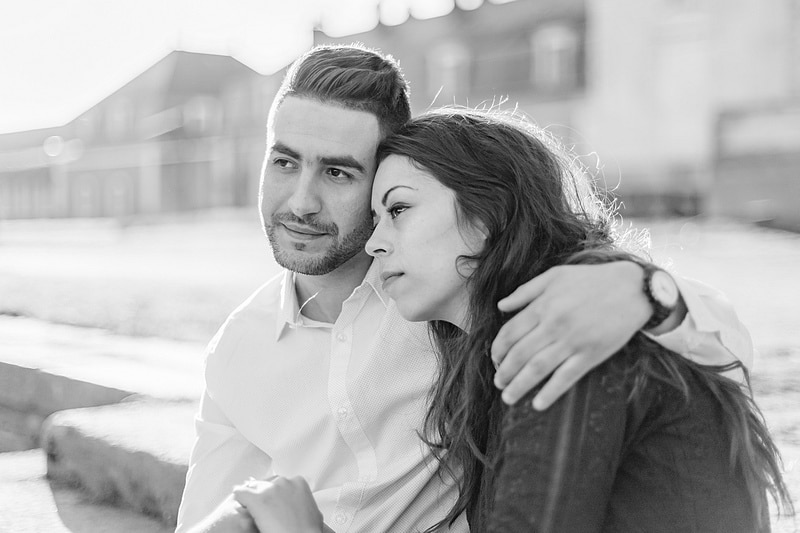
(228, 517)
(280, 505)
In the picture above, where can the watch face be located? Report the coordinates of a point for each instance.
(664, 289)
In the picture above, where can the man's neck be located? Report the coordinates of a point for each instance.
(321, 297)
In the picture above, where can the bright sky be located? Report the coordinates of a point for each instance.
(59, 58)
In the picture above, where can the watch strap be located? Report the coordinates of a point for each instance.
(660, 311)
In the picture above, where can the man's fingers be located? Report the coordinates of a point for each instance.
(525, 293)
(245, 495)
(526, 351)
(519, 326)
(533, 372)
(564, 378)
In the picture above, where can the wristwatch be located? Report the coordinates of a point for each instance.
(662, 293)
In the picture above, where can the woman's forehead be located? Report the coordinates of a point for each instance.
(397, 171)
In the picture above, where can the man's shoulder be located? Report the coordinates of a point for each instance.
(265, 300)
(255, 318)
(257, 313)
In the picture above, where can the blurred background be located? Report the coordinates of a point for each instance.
(132, 134)
(129, 109)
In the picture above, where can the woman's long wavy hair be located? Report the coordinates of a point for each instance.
(538, 209)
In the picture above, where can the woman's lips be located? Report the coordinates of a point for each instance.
(389, 278)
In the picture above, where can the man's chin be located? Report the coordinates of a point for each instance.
(318, 257)
(304, 263)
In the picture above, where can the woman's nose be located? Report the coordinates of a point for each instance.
(378, 245)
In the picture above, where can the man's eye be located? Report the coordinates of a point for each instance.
(281, 162)
(339, 173)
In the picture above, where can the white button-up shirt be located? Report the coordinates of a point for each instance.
(340, 404)
(711, 333)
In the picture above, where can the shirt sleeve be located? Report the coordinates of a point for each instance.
(221, 458)
(711, 333)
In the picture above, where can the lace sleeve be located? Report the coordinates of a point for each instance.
(557, 467)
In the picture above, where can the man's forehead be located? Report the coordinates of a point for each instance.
(325, 124)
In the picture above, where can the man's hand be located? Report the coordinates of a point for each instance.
(281, 505)
(572, 318)
(228, 517)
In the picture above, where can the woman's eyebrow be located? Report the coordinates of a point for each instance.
(386, 194)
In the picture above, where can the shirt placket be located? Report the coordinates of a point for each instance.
(344, 415)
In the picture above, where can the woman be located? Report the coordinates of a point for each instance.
(469, 205)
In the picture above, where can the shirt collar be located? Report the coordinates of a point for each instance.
(289, 312)
(373, 279)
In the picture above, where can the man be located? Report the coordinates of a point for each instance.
(316, 375)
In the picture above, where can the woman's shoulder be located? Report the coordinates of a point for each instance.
(635, 386)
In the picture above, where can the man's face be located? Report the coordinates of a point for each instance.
(316, 184)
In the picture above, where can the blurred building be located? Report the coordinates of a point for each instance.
(186, 134)
(690, 106)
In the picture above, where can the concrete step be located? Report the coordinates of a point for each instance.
(133, 454)
(18, 431)
(47, 367)
(122, 410)
(30, 503)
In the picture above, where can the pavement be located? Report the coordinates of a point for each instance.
(31, 503)
(96, 428)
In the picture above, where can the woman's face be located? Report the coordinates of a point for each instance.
(418, 241)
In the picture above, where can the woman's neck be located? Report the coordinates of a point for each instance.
(457, 311)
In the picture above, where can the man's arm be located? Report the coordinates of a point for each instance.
(573, 317)
(712, 333)
(221, 458)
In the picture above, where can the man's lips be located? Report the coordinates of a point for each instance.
(302, 231)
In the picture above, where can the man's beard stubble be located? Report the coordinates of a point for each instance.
(342, 250)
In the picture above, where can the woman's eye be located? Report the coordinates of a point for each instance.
(396, 210)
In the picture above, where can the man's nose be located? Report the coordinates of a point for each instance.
(305, 198)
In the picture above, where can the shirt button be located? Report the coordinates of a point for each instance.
(342, 337)
(342, 412)
(341, 518)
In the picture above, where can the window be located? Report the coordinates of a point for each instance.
(556, 57)
(119, 118)
(202, 115)
(448, 70)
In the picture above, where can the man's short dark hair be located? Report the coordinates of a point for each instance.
(354, 77)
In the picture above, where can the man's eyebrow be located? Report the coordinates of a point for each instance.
(386, 194)
(346, 161)
(282, 148)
